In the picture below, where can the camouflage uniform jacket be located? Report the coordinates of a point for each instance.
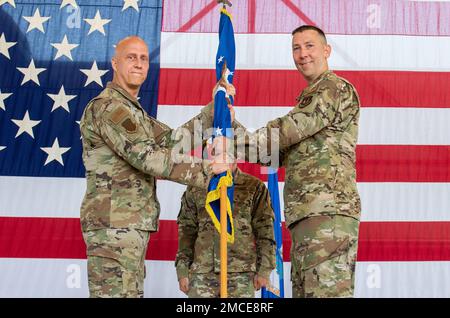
(317, 141)
(199, 242)
(124, 149)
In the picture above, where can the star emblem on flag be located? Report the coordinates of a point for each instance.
(64, 48)
(11, 2)
(64, 3)
(61, 99)
(55, 152)
(31, 73)
(94, 74)
(25, 125)
(97, 23)
(5, 46)
(3, 96)
(130, 3)
(36, 21)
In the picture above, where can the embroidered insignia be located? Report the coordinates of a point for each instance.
(306, 101)
(129, 125)
(118, 115)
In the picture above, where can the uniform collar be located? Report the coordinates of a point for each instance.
(238, 176)
(314, 84)
(317, 80)
(123, 92)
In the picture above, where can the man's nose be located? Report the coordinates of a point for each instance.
(303, 54)
(138, 64)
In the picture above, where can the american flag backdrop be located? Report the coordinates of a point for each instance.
(54, 57)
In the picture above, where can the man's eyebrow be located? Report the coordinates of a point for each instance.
(307, 42)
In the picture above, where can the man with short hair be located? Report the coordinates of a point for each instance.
(317, 141)
(251, 258)
(124, 151)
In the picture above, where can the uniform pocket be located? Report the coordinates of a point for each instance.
(319, 239)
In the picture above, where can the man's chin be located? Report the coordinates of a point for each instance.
(135, 84)
(305, 73)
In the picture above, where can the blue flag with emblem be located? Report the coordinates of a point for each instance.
(225, 61)
(276, 286)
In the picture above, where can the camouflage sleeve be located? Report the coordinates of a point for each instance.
(316, 112)
(187, 234)
(200, 127)
(262, 224)
(237, 125)
(193, 132)
(123, 134)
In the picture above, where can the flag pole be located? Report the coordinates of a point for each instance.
(223, 242)
(223, 222)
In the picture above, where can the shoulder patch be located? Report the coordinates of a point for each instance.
(305, 101)
(123, 117)
(119, 114)
(158, 127)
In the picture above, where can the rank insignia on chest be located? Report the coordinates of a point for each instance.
(129, 125)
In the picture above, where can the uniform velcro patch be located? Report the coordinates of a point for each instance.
(119, 114)
(306, 100)
(158, 129)
(129, 125)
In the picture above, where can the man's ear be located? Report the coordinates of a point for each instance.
(327, 50)
(114, 64)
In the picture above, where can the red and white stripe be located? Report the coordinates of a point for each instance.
(401, 72)
(403, 149)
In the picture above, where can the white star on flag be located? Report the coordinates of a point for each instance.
(61, 99)
(3, 96)
(64, 48)
(55, 152)
(130, 3)
(220, 59)
(2, 147)
(31, 73)
(36, 21)
(5, 45)
(11, 2)
(218, 131)
(97, 23)
(64, 3)
(25, 125)
(94, 74)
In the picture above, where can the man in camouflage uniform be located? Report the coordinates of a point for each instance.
(124, 150)
(317, 141)
(251, 258)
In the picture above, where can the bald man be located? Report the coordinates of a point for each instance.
(124, 151)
